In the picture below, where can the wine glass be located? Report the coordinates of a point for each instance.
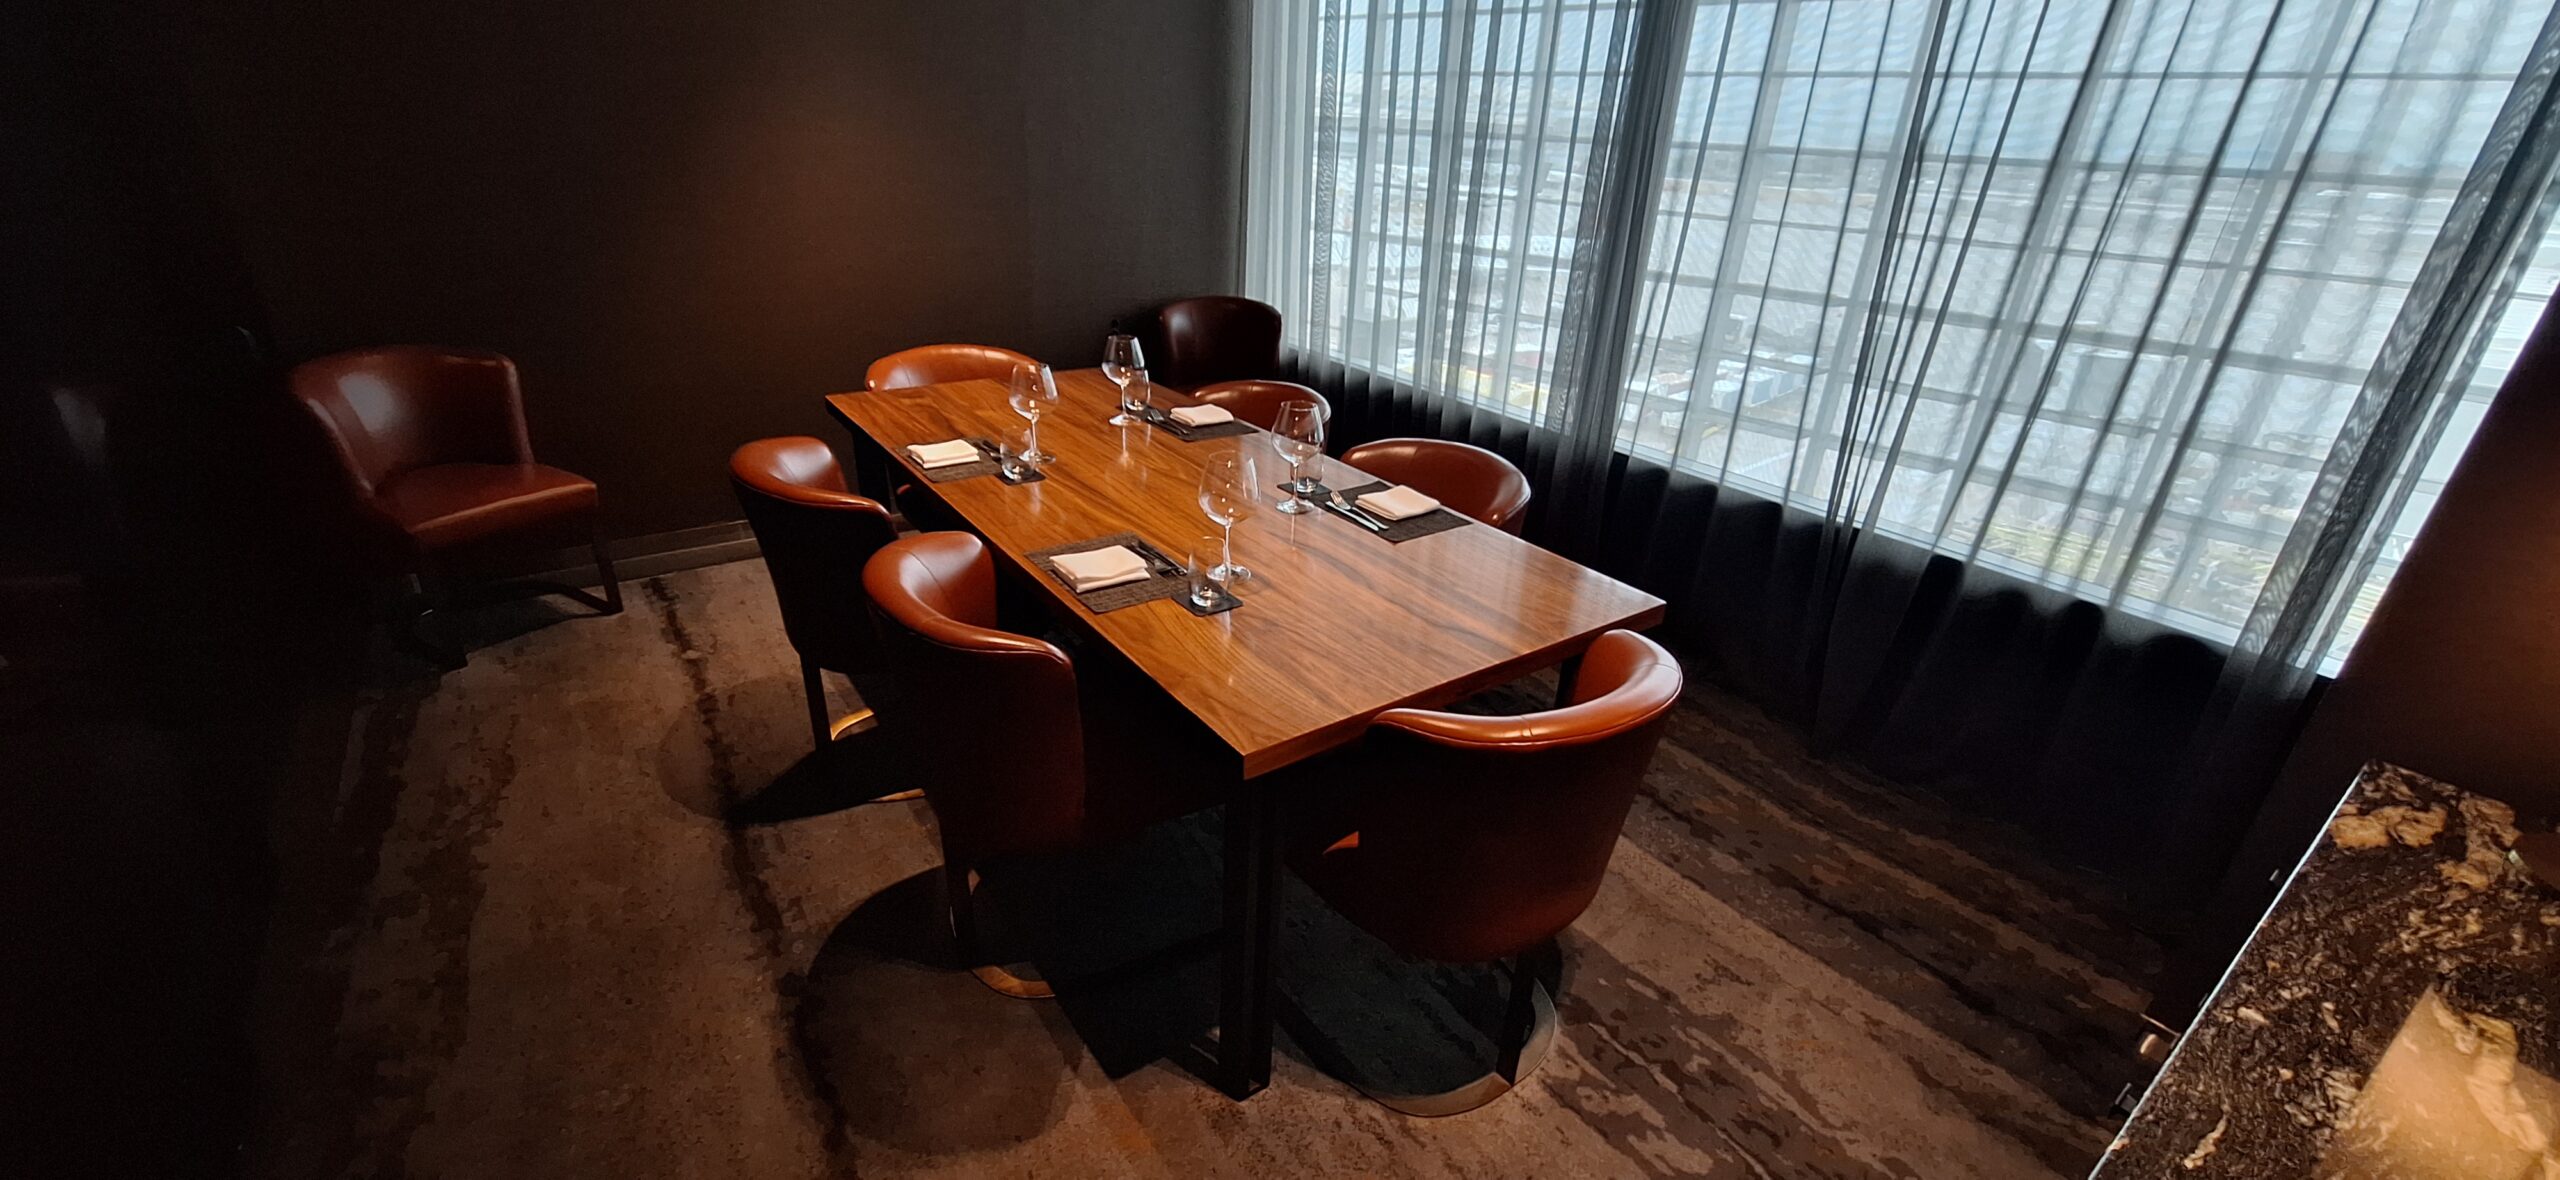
(1227, 489)
(1035, 392)
(1121, 360)
(1297, 432)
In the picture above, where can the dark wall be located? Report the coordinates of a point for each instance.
(2457, 676)
(686, 221)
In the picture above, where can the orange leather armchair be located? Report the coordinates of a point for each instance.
(815, 536)
(1027, 756)
(1257, 401)
(1465, 479)
(1216, 338)
(1463, 838)
(1468, 480)
(933, 364)
(434, 450)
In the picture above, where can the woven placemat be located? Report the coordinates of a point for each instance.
(984, 466)
(1175, 585)
(1198, 433)
(1438, 520)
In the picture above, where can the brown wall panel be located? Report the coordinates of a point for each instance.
(686, 221)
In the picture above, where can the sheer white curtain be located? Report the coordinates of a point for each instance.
(1418, 181)
(2082, 291)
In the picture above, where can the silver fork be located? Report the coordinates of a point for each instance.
(1363, 519)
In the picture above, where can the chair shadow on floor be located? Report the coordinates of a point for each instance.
(924, 1058)
(762, 769)
(914, 1053)
(470, 627)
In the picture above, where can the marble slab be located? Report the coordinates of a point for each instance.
(2393, 1016)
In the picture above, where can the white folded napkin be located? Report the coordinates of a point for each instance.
(1396, 503)
(1094, 569)
(944, 454)
(1201, 415)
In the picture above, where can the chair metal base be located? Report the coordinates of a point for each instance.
(1005, 983)
(1494, 1084)
(862, 721)
(960, 887)
(858, 719)
(830, 730)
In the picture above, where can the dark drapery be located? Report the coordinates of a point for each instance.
(1852, 602)
(2021, 700)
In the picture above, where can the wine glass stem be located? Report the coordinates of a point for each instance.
(1227, 556)
(1031, 442)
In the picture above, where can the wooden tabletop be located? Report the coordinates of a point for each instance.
(1336, 624)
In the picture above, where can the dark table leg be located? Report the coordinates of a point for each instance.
(1252, 905)
(874, 472)
(1566, 673)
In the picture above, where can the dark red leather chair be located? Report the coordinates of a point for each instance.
(1026, 756)
(1215, 338)
(933, 364)
(1467, 480)
(1466, 839)
(433, 446)
(816, 536)
(1257, 401)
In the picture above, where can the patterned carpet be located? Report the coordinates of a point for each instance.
(585, 909)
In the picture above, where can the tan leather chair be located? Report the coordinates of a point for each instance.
(434, 450)
(933, 364)
(1470, 481)
(816, 536)
(1462, 838)
(1215, 338)
(1025, 755)
(1258, 401)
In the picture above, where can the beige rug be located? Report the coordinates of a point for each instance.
(533, 936)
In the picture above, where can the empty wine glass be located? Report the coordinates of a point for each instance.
(1297, 432)
(1228, 486)
(1035, 392)
(1122, 360)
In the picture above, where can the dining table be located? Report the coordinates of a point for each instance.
(1336, 623)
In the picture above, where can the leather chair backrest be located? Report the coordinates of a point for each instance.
(1002, 751)
(1468, 480)
(1259, 401)
(1486, 836)
(933, 364)
(390, 410)
(1216, 338)
(816, 536)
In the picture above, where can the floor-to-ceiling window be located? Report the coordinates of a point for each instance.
(2082, 291)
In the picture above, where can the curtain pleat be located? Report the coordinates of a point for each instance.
(2020, 395)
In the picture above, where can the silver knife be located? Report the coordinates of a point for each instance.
(1357, 516)
(1157, 563)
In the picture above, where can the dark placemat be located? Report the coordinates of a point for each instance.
(1224, 602)
(985, 466)
(1438, 520)
(1198, 433)
(1175, 585)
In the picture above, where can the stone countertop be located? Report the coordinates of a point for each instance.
(2397, 1012)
